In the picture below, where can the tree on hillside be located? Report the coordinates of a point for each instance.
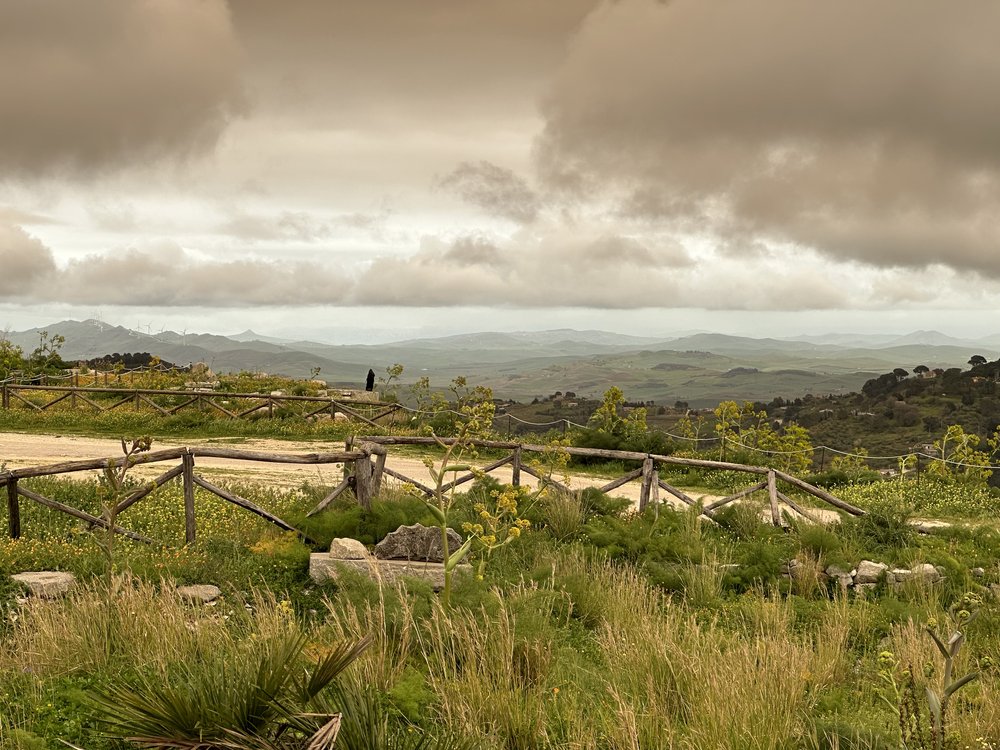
(921, 369)
(46, 357)
(900, 373)
(977, 359)
(11, 357)
(608, 417)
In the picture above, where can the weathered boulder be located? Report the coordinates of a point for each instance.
(416, 542)
(925, 572)
(842, 575)
(200, 593)
(46, 584)
(348, 549)
(869, 572)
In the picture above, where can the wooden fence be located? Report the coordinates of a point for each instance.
(365, 459)
(185, 471)
(648, 471)
(169, 402)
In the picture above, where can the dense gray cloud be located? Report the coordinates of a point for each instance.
(498, 191)
(25, 261)
(425, 63)
(866, 130)
(90, 86)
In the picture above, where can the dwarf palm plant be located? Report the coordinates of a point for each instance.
(259, 699)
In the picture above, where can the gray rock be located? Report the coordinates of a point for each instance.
(925, 572)
(323, 567)
(201, 593)
(46, 584)
(841, 575)
(348, 549)
(837, 571)
(864, 589)
(869, 572)
(416, 542)
(899, 575)
(978, 572)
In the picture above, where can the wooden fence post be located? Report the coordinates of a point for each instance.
(13, 510)
(363, 481)
(6, 397)
(647, 480)
(515, 468)
(772, 495)
(187, 463)
(376, 485)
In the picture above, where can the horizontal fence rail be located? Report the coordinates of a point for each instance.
(168, 402)
(364, 459)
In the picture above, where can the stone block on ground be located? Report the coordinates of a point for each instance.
(324, 567)
(900, 575)
(416, 542)
(201, 593)
(925, 572)
(346, 548)
(46, 584)
(869, 572)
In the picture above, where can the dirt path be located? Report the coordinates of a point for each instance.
(19, 450)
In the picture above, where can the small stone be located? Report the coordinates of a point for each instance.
(201, 593)
(978, 572)
(416, 542)
(345, 548)
(46, 584)
(869, 572)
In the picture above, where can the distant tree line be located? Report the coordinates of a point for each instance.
(131, 361)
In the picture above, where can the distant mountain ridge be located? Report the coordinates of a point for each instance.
(700, 368)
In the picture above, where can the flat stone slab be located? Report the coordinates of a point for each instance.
(46, 584)
(324, 567)
(201, 593)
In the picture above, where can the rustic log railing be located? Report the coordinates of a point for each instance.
(366, 457)
(361, 459)
(648, 472)
(169, 402)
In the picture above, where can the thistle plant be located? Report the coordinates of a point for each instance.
(903, 694)
(498, 522)
(474, 417)
(498, 519)
(112, 493)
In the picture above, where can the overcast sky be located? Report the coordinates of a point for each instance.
(327, 167)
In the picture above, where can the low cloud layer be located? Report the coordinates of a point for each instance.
(867, 131)
(536, 268)
(160, 274)
(90, 87)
